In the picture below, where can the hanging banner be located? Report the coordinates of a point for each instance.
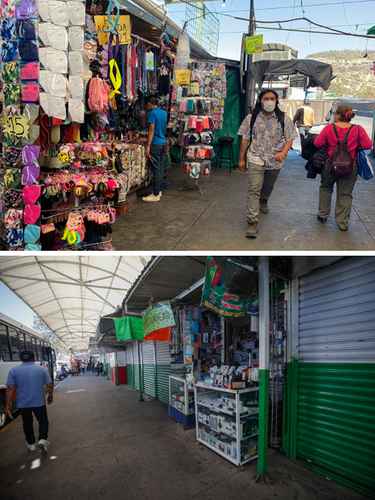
(215, 296)
(183, 76)
(158, 318)
(123, 29)
(129, 328)
(254, 44)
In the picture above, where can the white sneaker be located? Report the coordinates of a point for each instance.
(43, 444)
(31, 447)
(152, 198)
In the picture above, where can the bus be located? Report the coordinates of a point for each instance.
(15, 337)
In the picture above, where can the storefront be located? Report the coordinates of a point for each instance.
(295, 373)
(330, 407)
(74, 78)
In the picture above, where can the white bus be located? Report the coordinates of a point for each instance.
(15, 337)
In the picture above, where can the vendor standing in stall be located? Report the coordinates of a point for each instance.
(266, 138)
(156, 146)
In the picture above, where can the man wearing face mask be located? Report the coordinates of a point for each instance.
(266, 138)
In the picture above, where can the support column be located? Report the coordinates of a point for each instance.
(264, 354)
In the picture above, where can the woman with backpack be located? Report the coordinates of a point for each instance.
(342, 140)
(267, 135)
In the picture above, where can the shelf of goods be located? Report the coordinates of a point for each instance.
(181, 401)
(227, 421)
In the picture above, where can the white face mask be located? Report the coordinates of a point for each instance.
(269, 106)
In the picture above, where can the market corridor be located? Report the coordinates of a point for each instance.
(216, 220)
(106, 444)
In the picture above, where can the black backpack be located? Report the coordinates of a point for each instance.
(341, 163)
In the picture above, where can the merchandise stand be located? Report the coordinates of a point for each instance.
(181, 401)
(227, 421)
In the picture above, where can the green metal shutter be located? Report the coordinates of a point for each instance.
(163, 370)
(149, 369)
(137, 366)
(335, 404)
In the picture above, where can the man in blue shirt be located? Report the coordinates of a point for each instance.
(156, 146)
(27, 383)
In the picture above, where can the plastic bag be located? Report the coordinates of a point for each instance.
(365, 163)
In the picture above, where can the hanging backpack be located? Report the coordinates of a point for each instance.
(342, 163)
(98, 95)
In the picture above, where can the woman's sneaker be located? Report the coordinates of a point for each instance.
(43, 444)
(31, 447)
(322, 218)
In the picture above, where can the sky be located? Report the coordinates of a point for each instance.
(347, 15)
(14, 307)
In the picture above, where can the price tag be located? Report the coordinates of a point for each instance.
(16, 125)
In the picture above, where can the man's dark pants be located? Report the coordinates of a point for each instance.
(40, 413)
(157, 154)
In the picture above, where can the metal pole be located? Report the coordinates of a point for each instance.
(264, 334)
(250, 82)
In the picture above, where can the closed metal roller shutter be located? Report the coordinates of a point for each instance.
(163, 370)
(336, 371)
(149, 370)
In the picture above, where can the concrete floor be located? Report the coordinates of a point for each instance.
(105, 444)
(216, 220)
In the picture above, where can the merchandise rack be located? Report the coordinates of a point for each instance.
(181, 401)
(231, 445)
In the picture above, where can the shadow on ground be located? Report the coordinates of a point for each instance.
(105, 444)
(216, 219)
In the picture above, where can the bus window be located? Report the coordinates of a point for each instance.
(38, 350)
(17, 344)
(4, 344)
(29, 344)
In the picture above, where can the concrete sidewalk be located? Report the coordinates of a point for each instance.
(106, 445)
(216, 220)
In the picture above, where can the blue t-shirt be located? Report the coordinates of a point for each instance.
(158, 117)
(29, 379)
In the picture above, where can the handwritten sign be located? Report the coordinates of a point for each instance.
(183, 76)
(16, 125)
(254, 44)
(123, 29)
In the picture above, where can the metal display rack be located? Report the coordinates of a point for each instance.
(227, 421)
(180, 396)
(181, 401)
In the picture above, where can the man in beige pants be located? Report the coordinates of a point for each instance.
(267, 135)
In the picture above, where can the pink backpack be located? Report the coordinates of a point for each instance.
(98, 100)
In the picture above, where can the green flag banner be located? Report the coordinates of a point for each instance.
(158, 316)
(215, 296)
(129, 328)
(254, 44)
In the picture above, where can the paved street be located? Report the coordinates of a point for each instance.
(216, 220)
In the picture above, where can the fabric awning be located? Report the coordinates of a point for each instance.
(319, 73)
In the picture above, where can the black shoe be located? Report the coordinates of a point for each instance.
(264, 208)
(252, 230)
(322, 219)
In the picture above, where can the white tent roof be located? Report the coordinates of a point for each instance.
(70, 294)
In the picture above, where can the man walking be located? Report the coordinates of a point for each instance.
(156, 146)
(304, 119)
(266, 137)
(27, 384)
